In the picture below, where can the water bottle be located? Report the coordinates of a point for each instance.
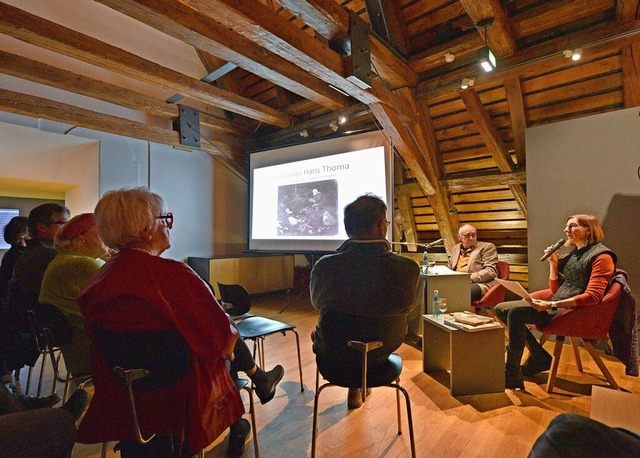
(425, 262)
(435, 310)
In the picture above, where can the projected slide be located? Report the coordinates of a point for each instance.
(305, 199)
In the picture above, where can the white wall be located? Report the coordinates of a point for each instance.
(587, 165)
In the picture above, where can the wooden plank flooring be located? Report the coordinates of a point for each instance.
(491, 425)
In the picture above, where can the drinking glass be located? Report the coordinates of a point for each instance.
(442, 305)
(432, 264)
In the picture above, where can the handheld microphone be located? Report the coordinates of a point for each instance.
(432, 244)
(553, 249)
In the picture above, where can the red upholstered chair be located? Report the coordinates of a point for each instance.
(586, 323)
(496, 293)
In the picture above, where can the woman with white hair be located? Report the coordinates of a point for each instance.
(137, 292)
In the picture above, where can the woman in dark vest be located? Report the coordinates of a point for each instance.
(577, 279)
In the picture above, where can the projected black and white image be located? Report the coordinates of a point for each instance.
(308, 209)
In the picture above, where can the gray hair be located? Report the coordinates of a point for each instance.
(121, 215)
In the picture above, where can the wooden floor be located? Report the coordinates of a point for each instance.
(492, 425)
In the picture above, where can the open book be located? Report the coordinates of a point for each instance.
(514, 287)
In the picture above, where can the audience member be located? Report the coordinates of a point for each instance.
(361, 282)
(24, 288)
(479, 259)
(131, 294)
(67, 276)
(16, 235)
(39, 432)
(578, 279)
(575, 436)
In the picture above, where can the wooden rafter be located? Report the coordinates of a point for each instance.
(518, 118)
(38, 72)
(37, 107)
(538, 58)
(631, 72)
(482, 179)
(498, 34)
(178, 20)
(40, 32)
(491, 137)
(626, 11)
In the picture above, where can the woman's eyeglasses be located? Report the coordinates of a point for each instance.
(168, 219)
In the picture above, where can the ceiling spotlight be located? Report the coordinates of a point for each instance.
(449, 57)
(342, 119)
(304, 133)
(334, 126)
(573, 54)
(467, 83)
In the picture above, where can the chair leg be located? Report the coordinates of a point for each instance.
(44, 360)
(557, 351)
(314, 432)
(576, 353)
(299, 359)
(596, 357)
(103, 453)
(254, 427)
(317, 378)
(409, 418)
(398, 410)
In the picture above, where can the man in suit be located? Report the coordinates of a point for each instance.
(480, 259)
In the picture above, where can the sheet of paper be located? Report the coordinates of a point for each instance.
(514, 287)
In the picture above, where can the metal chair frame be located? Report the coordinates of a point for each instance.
(365, 347)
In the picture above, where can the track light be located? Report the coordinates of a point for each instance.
(334, 126)
(467, 83)
(486, 59)
(573, 54)
(342, 119)
(449, 57)
(304, 133)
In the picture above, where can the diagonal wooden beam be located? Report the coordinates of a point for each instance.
(498, 34)
(178, 20)
(38, 107)
(385, 15)
(327, 16)
(491, 137)
(626, 11)
(631, 72)
(46, 34)
(518, 117)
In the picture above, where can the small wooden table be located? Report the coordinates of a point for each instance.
(474, 359)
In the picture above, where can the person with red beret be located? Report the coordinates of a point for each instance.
(66, 277)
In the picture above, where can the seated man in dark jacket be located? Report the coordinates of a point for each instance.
(363, 291)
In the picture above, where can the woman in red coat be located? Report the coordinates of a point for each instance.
(138, 291)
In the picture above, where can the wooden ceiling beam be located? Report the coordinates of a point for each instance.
(46, 34)
(485, 179)
(518, 117)
(539, 58)
(330, 17)
(491, 137)
(38, 107)
(461, 47)
(179, 21)
(631, 74)
(498, 34)
(41, 73)
(626, 11)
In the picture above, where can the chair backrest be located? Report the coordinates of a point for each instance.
(497, 292)
(591, 322)
(164, 353)
(236, 295)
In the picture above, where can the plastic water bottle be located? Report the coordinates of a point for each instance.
(425, 262)
(435, 310)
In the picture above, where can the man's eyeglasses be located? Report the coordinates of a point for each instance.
(468, 235)
(168, 219)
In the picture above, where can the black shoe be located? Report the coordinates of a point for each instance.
(513, 380)
(538, 362)
(266, 390)
(76, 403)
(32, 402)
(238, 434)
